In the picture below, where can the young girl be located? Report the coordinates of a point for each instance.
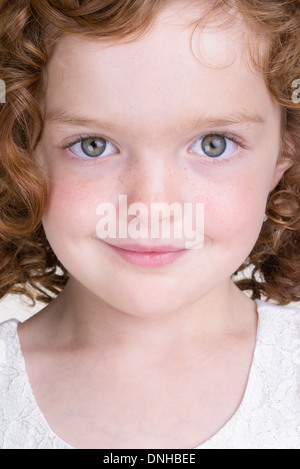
(149, 342)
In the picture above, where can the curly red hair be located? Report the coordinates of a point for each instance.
(28, 31)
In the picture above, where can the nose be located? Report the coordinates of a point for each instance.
(153, 178)
(154, 197)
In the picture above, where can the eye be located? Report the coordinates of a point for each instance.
(214, 146)
(93, 147)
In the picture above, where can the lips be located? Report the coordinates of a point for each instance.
(148, 256)
(147, 249)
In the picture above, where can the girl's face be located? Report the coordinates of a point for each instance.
(145, 112)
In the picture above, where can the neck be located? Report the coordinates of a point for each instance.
(81, 317)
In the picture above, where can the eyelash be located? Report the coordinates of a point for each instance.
(225, 160)
(80, 138)
(218, 160)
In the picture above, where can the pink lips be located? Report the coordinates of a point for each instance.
(154, 256)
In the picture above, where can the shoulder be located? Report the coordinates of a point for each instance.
(11, 378)
(10, 354)
(8, 340)
(22, 424)
(8, 328)
(279, 324)
(279, 310)
(275, 376)
(278, 342)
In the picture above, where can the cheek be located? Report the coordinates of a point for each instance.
(71, 210)
(234, 212)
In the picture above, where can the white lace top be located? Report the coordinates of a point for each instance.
(268, 417)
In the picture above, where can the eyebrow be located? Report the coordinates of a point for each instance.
(62, 117)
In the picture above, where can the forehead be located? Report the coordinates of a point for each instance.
(174, 66)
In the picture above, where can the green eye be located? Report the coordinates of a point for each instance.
(213, 145)
(93, 146)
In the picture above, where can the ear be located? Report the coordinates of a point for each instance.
(282, 165)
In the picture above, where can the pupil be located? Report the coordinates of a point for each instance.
(213, 145)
